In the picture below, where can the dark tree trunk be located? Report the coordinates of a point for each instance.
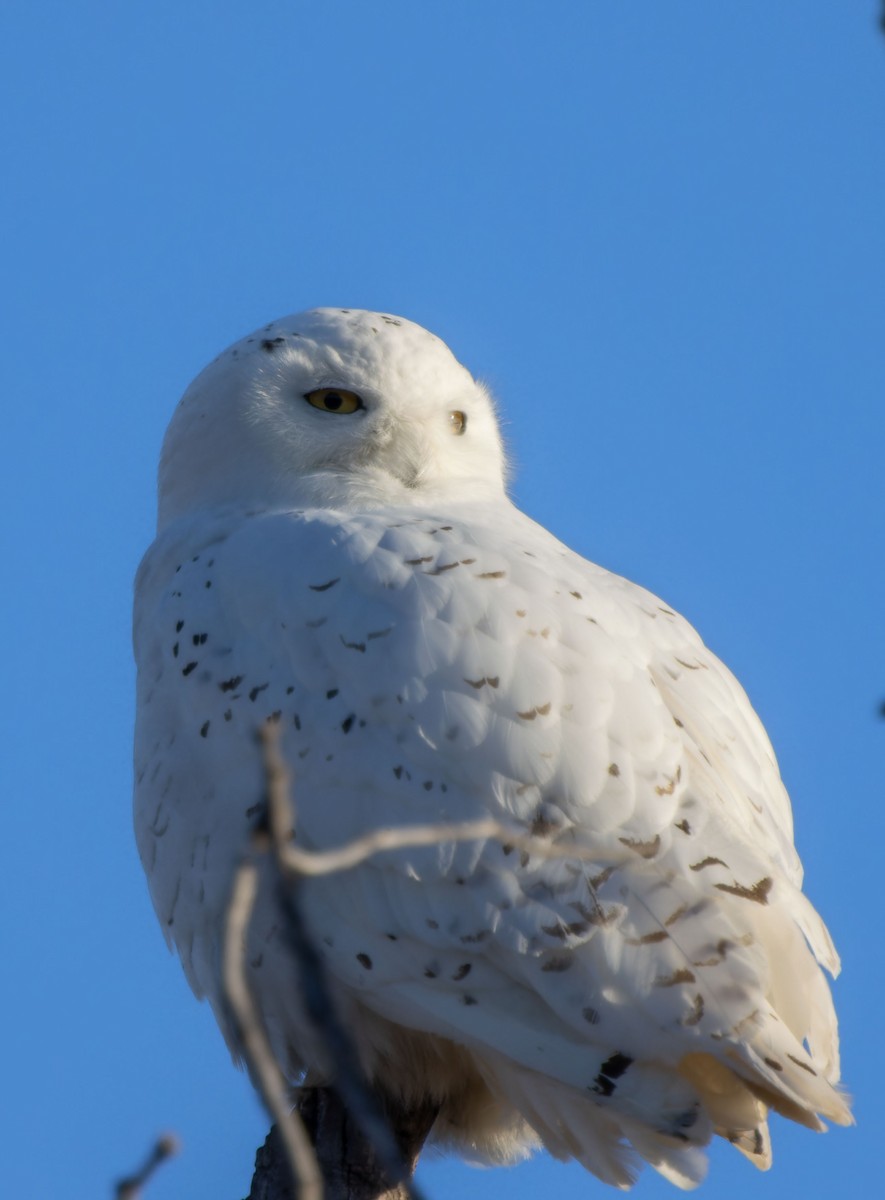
(349, 1166)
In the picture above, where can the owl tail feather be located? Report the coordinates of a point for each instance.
(606, 1142)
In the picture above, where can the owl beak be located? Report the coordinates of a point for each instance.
(402, 453)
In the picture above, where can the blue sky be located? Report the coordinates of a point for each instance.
(655, 229)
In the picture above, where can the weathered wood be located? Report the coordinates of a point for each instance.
(349, 1166)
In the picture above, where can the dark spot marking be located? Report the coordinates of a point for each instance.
(492, 575)
(347, 723)
(696, 1013)
(331, 693)
(648, 939)
(361, 646)
(541, 826)
(558, 963)
(577, 595)
(398, 772)
(643, 849)
(758, 892)
(676, 721)
(270, 344)
(721, 949)
(228, 715)
(562, 930)
(468, 999)
(684, 826)
(774, 1064)
(590, 1015)
(669, 788)
(364, 961)
(597, 915)
(417, 562)
(230, 684)
(596, 881)
(681, 975)
(614, 769)
(296, 721)
(613, 1068)
(204, 729)
(463, 971)
(199, 639)
(179, 625)
(256, 691)
(191, 666)
(427, 785)
(709, 861)
(431, 972)
(430, 923)
(323, 587)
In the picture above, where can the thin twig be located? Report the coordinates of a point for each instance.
(166, 1146)
(256, 1048)
(347, 1078)
(351, 854)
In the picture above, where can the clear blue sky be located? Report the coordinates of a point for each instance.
(658, 231)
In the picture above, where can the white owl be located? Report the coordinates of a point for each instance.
(336, 548)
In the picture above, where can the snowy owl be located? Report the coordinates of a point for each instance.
(336, 551)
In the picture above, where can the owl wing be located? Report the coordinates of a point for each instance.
(646, 972)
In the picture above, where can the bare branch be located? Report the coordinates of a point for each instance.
(325, 862)
(256, 1048)
(358, 1097)
(294, 864)
(166, 1146)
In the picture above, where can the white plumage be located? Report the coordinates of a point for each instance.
(336, 547)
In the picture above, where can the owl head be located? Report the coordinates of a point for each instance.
(336, 408)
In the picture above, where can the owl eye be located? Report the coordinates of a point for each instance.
(458, 421)
(334, 400)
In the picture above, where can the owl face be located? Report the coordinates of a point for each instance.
(332, 407)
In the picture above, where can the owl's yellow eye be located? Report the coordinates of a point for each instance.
(458, 421)
(334, 400)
